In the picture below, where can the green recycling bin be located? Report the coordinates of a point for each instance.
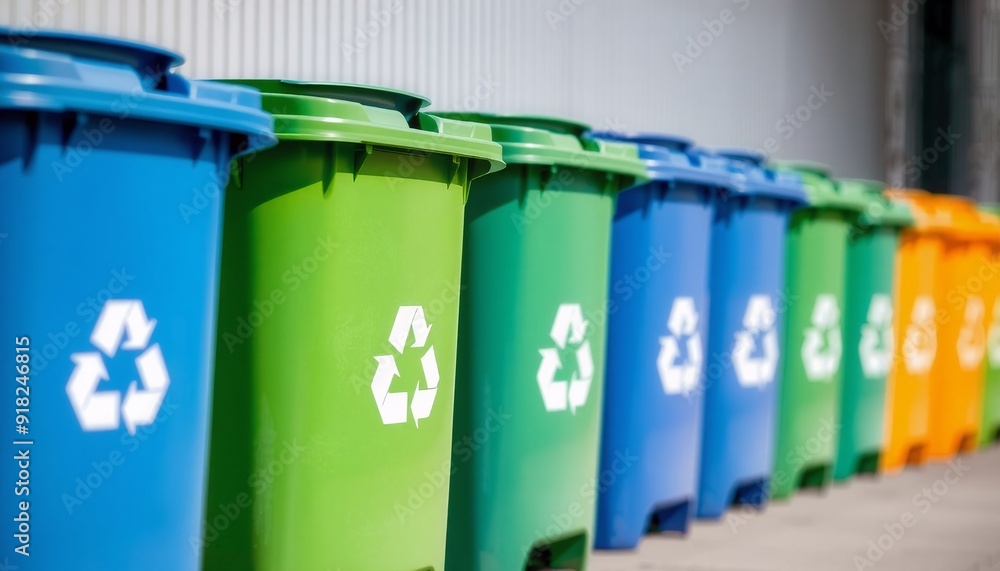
(809, 396)
(532, 346)
(868, 326)
(989, 434)
(337, 334)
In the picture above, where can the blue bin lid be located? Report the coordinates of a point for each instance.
(672, 158)
(70, 72)
(753, 177)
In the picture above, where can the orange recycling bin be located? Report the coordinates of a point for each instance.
(908, 387)
(968, 277)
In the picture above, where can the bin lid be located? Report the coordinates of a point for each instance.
(753, 177)
(674, 159)
(951, 216)
(966, 222)
(746, 155)
(537, 140)
(820, 189)
(879, 211)
(928, 217)
(344, 112)
(65, 71)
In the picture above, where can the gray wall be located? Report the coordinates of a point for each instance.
(612, 63)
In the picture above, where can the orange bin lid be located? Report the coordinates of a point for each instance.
(952, 216)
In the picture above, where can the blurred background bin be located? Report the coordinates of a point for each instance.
(957, 376)
(657, 330)
(809, 397)
(918, 272)
(106, 276)
(338, 334)
(531, 349)
(745, 333)
(868, 326)
(990, 431)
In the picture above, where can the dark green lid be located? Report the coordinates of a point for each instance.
(820, 188)
(879, 210)
(372, 115)
(557, 142)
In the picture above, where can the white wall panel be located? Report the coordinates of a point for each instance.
(607, 62)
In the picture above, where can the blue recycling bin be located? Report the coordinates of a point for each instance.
(112, 171)
(747, 279)
(657, 325)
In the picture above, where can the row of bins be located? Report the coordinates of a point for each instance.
(490, 342)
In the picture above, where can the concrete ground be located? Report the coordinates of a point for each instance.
(935, 518)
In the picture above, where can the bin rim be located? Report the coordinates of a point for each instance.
(966, 222)
(880, 210)
(556, 142)
(672, 159)
(372, 115)
(820, 188)
(755, 178)
(54, 71)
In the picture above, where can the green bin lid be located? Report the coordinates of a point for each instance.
(535, 140)
(342, 112)
(879, 210)
(990, 208)
(820, 188)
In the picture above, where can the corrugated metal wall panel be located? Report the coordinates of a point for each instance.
(606, 62)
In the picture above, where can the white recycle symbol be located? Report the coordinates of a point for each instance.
(392, 406)
(680, 377)
(993, 339)
(920, 343)
(972, 337)
(104, 410)
(758, 321)
(569, 328)
(876, 346)
(821, 348)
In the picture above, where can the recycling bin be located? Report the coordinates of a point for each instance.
(657, 328)
(869, 348)
(990, 432)
(809, 396)
(967, 278)
(918, 270)
(110, 278)
(532, 349)
(744, 335)
(332, 420)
